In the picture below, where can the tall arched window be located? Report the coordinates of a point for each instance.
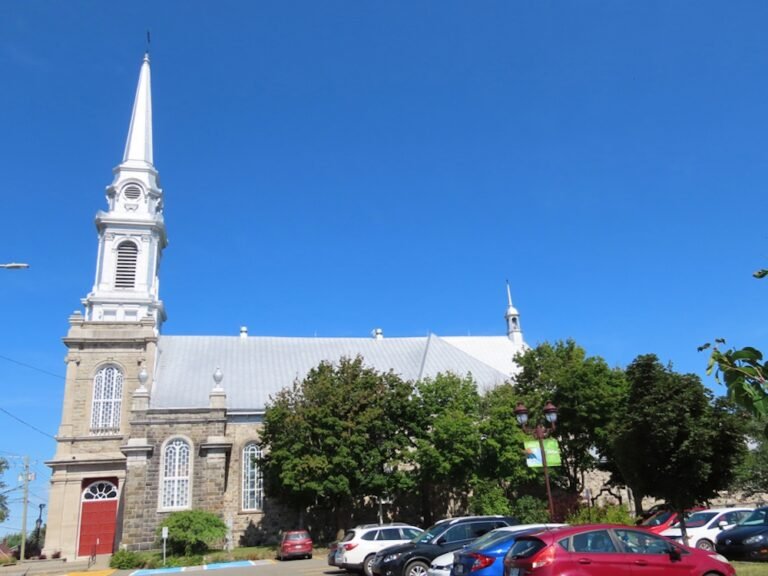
(107, 401)
(176, 474)
(253, 479)
(125, 273)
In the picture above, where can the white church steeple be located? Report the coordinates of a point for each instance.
(514, 332)
(131, 231)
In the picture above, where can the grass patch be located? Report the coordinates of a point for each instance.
(751, 568)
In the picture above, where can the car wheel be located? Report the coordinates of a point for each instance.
(309, 556)
(368, 565)
(705, 545)
(416, 568)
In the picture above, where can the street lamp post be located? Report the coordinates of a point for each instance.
(539, 432)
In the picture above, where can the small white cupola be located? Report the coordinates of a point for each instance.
(512, 316)
(377, 334)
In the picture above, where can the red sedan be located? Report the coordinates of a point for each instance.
(608, 550)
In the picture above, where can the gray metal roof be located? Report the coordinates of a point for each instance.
(257, 367)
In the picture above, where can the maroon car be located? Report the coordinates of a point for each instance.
(608, 550)
(295, 544)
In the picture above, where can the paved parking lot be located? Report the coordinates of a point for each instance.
(316, 566)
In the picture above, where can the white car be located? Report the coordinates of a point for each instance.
(704, 526)
(356, 551)
(443, 564)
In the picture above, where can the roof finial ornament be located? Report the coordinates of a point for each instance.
(509, 294)
(149, 41)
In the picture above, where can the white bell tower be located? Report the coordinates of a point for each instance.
(131, 231)
(512, 316)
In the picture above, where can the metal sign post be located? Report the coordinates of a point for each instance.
(165, 537)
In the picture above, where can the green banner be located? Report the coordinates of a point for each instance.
(533, 453)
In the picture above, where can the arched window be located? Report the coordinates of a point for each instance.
(100, 490)
(176, 474)
(107, 401)
(253, 479)
(125, 273)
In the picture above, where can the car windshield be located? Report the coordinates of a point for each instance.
(429, 534)
(525, 548)
(658, 519)
(757, 518)
(697, 520)
(491, 539)
(296, 536)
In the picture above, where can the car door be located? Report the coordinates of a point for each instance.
(649, 555)
(595, 553)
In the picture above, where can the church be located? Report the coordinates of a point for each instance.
(154, 423)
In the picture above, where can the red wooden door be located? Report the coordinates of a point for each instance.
(98, 517)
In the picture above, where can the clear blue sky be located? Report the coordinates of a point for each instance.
(331, 167)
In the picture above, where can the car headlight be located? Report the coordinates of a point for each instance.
(754, 539)
(392, 557)
(720, 558)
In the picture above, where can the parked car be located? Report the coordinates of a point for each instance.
(705, 525)
(747, 540)
(414, 557)
(332, 553)
(359, 545)
(294, 544)
(608, 550)
(664, 519)
(485, 556)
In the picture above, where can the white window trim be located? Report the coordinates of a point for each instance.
(190, 474)
(98, 425)
(249, 450)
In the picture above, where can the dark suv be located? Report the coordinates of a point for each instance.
(413, 558)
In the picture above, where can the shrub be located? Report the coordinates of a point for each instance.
(600, 514)
(192, 531)
(530, 510)
(126, 560)
(488, 498)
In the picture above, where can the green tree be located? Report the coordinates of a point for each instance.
(743, 371)
(501, 459)
(3, 492)
(751, 474)
(673, 440)
(587, 394)
(447, 441)
(193, 531)
(338, 436)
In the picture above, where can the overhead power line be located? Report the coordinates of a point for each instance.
(35, 428)
(42, 371)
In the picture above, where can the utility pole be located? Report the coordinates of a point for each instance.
(27, 478)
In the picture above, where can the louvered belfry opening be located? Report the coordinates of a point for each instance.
(125, 276)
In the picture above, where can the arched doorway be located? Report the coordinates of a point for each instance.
(98, 516)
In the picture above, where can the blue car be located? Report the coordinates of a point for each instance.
(485, 556)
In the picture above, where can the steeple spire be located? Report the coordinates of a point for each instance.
(514, 332)
(131, 230)
(138, 146)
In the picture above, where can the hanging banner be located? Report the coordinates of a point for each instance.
(533, 453)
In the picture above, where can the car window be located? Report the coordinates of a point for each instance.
(491, 540)
(733, 517)
(297, 536)
(758, 517)
(697, 519)
(641, 542)
(389, 534)
(596, 541)
(477, 529)
(409, 533)
(525, 548)
(456, 533)
(564, 544)
(370, 535)
(658, 519)
(348, 536)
